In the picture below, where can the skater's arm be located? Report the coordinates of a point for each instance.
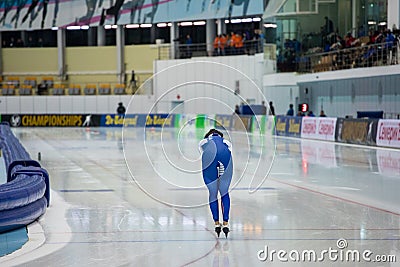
(229, 144)
(201, 144)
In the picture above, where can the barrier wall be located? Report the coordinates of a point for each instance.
(370, 132)
(26, 194)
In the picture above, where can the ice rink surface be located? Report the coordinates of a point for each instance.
(137, 198)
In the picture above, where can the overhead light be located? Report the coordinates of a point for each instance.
(227, 21)
(107, 27)
(256, 19)
(199, 23)
(186, 23)
(73, 27)
(371, 22)
(54, 28)
(383, 23)
(270, 25)
(145, 25)
(247, 20)
(85, 27)
(236, 20)
(132, 26)
(162, 25)
(169, 24)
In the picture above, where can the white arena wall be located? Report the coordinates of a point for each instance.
(99, 104)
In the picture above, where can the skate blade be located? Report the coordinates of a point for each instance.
(226, 231)
(218, 230)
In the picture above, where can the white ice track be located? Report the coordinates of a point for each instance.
(315, 194)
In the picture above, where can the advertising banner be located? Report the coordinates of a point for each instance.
(288, 126)
(138, 120)
(318, 128)
(356, 131)
(242, 123)
(224, 122)
(388, 133)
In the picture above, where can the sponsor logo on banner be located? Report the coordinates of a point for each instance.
(40, 120)
(388, 133)
(159, 120)
(288, 126)
(223, 121)
(280, 126)
(117, 120)
(318, 128)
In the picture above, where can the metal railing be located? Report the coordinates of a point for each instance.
(180, 51)
(381, 54)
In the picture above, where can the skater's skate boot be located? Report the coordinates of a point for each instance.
(218, 228)
(225, 229)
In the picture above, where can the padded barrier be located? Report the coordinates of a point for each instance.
(22, 216)
(25, 196)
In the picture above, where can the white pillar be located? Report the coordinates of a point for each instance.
(354, 25)
(210, 36)
(120, 53)
(101, 36)
(393, 14)
(62, 72)
(221, 26)
(174, 33)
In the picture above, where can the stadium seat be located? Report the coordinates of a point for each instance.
(74, 89)
(25, 90)
(49, 81)
(105, 89)
(13, 80)
(32, 81)
(8, 89)
(119, 89)
(90, 89)
(58, 89)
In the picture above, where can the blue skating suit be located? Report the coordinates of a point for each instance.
(217, 168)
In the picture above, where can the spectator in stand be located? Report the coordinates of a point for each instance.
(239, 44)
(389, 43)
(223, 41)
(19, 43)
(311, 114)
(40, 42)
(322, 113)
(217, 45)
(349, 40)
(290, 111)
(30, 42)
(12, 42)
(271, 109)
(237, 110)
(188, 46)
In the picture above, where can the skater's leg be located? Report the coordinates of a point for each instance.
(224, 183)
(212, 187)
(210, 177)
